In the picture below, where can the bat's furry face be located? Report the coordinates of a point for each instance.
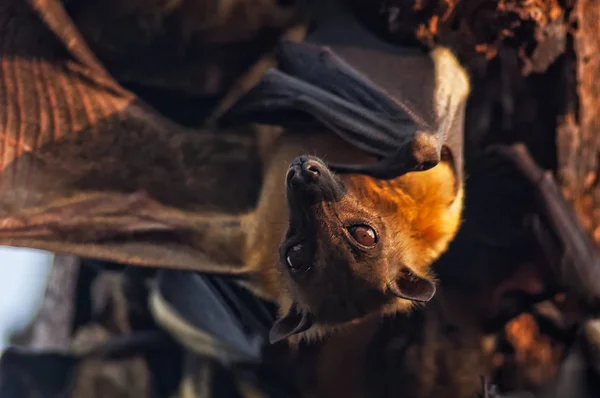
(353, 247)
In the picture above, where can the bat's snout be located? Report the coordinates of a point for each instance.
(305, 170)
(309, 176)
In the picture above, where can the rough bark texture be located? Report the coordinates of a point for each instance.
(580, 145)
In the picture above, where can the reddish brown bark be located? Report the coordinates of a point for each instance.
(580, 145)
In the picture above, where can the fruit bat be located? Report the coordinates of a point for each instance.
(105, 176)
(145, 222)
(326, 84)
(448, 341)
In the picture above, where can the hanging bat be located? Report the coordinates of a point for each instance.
(123, 184)
(359, 241)
(358, 237)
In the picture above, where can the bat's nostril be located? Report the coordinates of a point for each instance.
(306, 172)
(311, 170)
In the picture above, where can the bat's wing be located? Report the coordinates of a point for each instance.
(87, 168)
(397, 104)
(208, 48)
(212, 316)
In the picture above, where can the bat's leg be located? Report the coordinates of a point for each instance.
(574, 259)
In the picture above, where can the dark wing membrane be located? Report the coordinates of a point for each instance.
(396, 104)
(86, 167)
(212, 316)
(283, 99)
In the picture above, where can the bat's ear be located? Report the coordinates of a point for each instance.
(412, 287)
(292, 323)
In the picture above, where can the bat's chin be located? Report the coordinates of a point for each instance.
(334, 308)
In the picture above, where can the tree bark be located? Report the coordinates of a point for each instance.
(579, 139)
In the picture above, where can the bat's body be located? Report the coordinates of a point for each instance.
(388, 121)
(126, 186)
(88, 169)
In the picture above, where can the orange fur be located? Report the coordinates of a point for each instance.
(421, 209)
(425, 202)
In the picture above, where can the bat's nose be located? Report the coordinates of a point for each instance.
(310, 179)
(311, 170)
(305, 170)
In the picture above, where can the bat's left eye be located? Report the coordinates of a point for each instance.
(363, 235)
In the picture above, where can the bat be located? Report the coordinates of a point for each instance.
(414, 127)
(326, 84)
(100, 194)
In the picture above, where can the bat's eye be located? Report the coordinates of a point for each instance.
(296, 258)
(363, 235)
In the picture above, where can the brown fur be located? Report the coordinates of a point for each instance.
(437, 352)
(420, 212)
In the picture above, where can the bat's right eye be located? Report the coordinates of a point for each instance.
(363, 235)
(296, 258)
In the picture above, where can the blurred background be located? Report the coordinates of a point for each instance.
(23, 278)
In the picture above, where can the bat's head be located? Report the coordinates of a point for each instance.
(355, 246)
